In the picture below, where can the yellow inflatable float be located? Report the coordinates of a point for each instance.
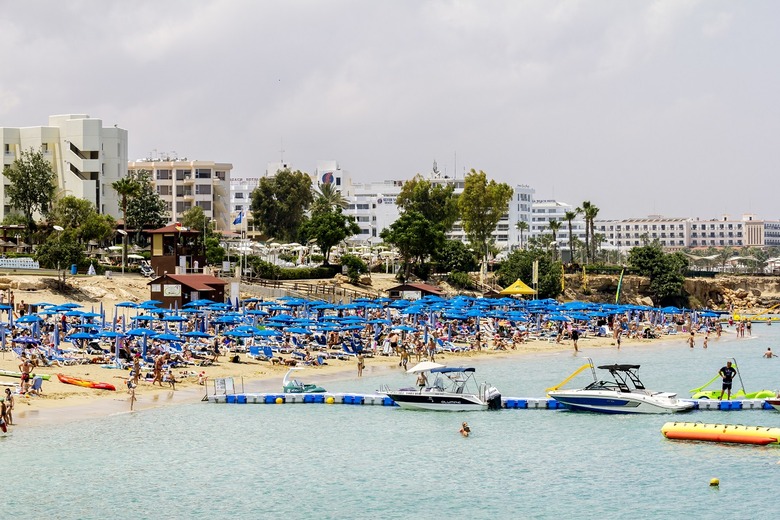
(733, 433)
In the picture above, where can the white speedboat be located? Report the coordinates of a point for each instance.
(451, 389)
(624, 394)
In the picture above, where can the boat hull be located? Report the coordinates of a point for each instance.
(729, 433)
(619, 402)
(438, 401)
(774, 403)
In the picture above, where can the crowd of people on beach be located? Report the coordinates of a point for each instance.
(180, 349)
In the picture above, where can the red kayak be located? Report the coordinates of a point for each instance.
(85, 382)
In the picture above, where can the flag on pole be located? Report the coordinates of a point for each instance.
(620, 285)
(239, 218)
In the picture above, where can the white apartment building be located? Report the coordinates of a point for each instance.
(543, 211)
(678, 233)
(183, 184)
(85, 156)
(373, 205)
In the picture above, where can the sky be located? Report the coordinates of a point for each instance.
(640, 107)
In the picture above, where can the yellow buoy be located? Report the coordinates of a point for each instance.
(330, 400)
(714, 482)
(279, 400)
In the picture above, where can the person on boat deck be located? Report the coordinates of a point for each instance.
(769, 353)
(727, 373)
(422, 381)
(465, 430)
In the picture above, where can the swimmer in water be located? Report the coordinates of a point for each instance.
(465, 430)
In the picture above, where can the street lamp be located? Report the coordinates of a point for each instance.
(124, 247)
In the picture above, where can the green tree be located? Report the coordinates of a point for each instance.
(279, 203)
(519, 265)
(589, 211)
(145, 209)
(415, 237)
(455, 256)
(60, 250)
(32, 187)
(96, 227)
(355, 267)
(70, 212)
(569, 217)
(328, 228)
(521, 226)
(555, 226)
(482, 204)
(433, 201)
(215, 253)
(665, 271)
(327, 198)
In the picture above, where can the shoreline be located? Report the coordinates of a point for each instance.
(62, 403)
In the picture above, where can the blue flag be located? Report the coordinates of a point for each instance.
(239, 218)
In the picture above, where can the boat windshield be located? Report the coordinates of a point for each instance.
(603, 385)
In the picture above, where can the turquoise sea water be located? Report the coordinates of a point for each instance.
(319, 461)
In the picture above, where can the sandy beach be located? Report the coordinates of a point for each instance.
(63, 402)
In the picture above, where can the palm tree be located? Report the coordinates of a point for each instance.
(521, 226)
(589, 211)
(126, 188)
(327, 198)
(570, 216)
(555, 226)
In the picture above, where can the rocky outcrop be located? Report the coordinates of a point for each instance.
(754, 293)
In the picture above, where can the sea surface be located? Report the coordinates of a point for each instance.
(335, 461)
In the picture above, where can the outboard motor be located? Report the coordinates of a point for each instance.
(493, 398)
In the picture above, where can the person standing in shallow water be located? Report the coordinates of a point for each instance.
(360, 364)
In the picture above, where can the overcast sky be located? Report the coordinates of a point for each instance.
(641, 107)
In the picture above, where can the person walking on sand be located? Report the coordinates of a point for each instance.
(727, 373)
(25, 368)
(158, 366)
(360, 364)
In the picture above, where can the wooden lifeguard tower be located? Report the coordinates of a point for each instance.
(177, 250)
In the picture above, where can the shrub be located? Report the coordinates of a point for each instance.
(460, 280)
(355, 267)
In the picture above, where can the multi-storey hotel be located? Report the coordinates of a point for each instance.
(85, 156)
(679, 233)
(183, 184)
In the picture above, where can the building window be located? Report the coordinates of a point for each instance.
(163, 175)
(203, 173)
(164, 191)
(203, 189)
(182, 206)
(205, 205)
(239, 207)
(182, 175)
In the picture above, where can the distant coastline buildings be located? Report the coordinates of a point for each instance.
(88, 157)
